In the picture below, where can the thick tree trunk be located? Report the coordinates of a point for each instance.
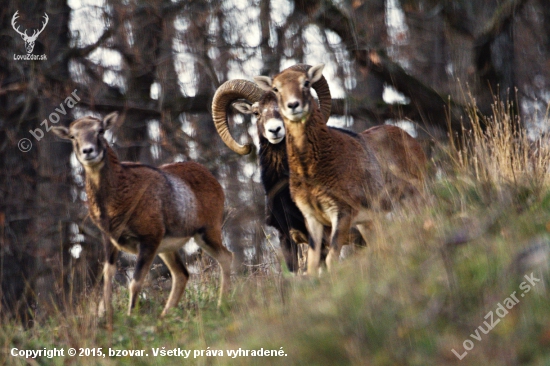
(34, 246)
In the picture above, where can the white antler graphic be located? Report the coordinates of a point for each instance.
(29, 40)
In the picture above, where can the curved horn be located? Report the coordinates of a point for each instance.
(227, 93)
(322, 89)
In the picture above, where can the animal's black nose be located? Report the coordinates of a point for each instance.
(276, 130)
(87, 150)
(293, 105)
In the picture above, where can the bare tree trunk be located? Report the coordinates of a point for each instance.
(271, 42)
(139, 44)
(495, 53)
(37, 183)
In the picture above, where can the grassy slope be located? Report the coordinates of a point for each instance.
(425, 283)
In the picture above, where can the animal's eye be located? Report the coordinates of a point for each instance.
(71, 137)
(275, 90)
(256, 113)
(306, 83)
(101, 131)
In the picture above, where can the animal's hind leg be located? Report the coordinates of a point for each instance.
(364, 230)
(180, 275)
(290, 252)
(211, 242)
(341, 224)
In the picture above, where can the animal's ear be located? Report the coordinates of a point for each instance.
(61, 132)
(315, 73)
(110, 120)
(263, 82)
(243, 107)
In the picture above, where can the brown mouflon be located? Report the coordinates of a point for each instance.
(338, 179)
(148, 211)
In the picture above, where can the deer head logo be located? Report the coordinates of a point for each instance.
(29, 40)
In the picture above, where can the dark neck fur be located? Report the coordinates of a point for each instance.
(273, 162)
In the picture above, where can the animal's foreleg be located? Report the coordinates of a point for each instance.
(109, 271)
(315, 229)
(147, 252)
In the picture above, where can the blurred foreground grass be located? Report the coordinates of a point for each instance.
(434, 278)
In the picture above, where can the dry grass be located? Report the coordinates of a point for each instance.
(498, 150)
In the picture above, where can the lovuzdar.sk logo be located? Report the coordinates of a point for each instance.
(29, 40)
